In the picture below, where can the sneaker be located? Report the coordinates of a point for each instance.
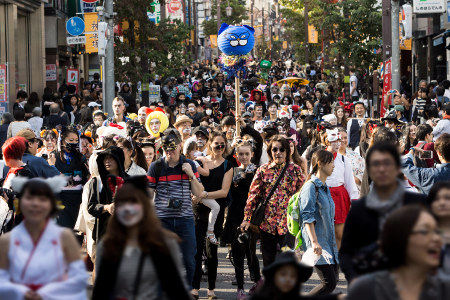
(241, 295)
(256, 287)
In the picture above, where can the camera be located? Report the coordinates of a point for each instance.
(243, 237)
(250, 169)
(238, 178)
(174, 203)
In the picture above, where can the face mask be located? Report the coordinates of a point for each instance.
(129, 214)
(208, 112)
(98, 123)
(187, 130)
(182, 110)
(72, 147)
(191, 109)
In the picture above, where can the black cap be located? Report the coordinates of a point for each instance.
(170, 139)
(201, 129)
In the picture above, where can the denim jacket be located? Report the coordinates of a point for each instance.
(424, 178)
(321, 213)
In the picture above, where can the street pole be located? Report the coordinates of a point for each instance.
(195, 31)
(109, 84)
(395, 9)
(218, 15)
(306, 33)
(252, 22)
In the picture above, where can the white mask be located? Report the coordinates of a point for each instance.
(191, 109)
(187, 130)
(208, 112)
(98, 123)
(129, 214)
(182, 110)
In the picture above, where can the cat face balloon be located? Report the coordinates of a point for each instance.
(236, 40)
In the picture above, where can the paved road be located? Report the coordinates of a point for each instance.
(225, 290)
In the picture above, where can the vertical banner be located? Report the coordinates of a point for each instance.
(3, 84)
(387, 85)
(91, 32)
(73, 78)
(313, 35)
(285, 45)
(213, 38)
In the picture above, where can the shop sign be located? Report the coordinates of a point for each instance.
(428, 6)
(50, 72)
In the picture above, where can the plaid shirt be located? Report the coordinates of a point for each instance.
(275, 220)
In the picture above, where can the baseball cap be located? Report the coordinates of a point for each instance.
(201, 129)
(170, 139)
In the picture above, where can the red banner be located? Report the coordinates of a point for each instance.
(387, 86)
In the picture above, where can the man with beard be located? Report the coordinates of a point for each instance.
(183, 126)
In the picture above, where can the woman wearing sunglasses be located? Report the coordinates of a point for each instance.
(273, 228)
(209, 213)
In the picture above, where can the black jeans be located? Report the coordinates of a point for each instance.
(239, 252)
(328, 280)
(211, 253)
(269, 245)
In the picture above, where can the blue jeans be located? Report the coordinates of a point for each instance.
(185, 229)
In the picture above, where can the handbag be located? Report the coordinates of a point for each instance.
(259, 212)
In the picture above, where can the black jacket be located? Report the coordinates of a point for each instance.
(95, 205)
(361, 229)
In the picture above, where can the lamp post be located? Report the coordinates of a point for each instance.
(229, 10)
(218, 15)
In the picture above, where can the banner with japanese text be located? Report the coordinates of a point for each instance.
(387, 85)
(91, 21)
(313, 35)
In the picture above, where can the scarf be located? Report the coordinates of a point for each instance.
(384, 208)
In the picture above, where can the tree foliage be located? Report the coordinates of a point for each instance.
(351, 29)
(238, 15)
(145, 48)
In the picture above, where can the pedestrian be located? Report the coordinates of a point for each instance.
(18, 124)
(341, 182)
(273, 228)
(284, 279)
(36, 120)
(411, 242)
(425, 178)
(130, 150)
(207, 225)
(172, 179)
(49, 143)
(70, 162)
(149, 150)
(101, 200)
(439, 201)
(243, 243)
(137, 258)
(368, 214)
(38, 259)
(317, 211)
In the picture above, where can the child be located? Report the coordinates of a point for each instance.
(189, 149)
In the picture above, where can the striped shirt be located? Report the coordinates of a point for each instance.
(171, 184)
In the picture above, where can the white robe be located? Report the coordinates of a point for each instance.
(45, 267)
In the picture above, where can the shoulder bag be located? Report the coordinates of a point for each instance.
(259, 212)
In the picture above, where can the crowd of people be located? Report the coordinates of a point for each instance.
(152, 192)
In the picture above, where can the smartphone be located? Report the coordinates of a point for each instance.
(392, 91)
(426, 154)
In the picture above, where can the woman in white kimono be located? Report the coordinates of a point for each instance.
(38, 259)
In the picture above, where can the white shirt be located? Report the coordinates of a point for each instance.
(343, 175)
(36, 124)
(443, 126)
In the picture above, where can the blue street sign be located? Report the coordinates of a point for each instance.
(75, 26)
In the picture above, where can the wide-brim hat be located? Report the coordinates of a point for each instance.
(288, 258)
(182, 119)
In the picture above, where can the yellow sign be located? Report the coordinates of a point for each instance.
(91, 21)
(313, 35)
(284, 44)
(213, 38)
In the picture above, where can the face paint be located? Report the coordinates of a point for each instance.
(129, 214)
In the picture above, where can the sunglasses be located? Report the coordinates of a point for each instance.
(276, 149)
(219, 147)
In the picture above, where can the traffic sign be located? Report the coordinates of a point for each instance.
(73, 40)
(75, 26)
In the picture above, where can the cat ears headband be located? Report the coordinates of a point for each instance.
(56, 183)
